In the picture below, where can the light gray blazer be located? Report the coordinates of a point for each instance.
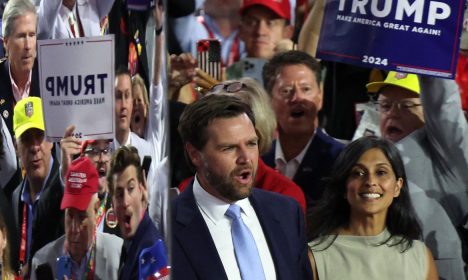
(436, 156)
(436, 160)
(108, 249)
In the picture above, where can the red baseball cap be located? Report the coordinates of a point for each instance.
(280, 7)
(85, 144)
(82, 182)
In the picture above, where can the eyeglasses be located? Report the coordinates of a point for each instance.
(96, 152)
(287, 92)
(229, 88)
(404, 105)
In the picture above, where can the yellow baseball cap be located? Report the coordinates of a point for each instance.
(403, 80)
(27, 114)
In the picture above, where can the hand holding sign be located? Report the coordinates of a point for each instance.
(399, 35)
(70, 146)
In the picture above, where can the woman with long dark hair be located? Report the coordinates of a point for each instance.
(364, 227)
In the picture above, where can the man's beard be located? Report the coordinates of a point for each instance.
(227, 186)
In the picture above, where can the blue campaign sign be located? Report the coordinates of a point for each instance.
(416, 36)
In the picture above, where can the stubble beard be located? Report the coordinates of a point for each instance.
(227, 187)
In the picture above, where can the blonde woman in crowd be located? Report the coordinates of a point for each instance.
(140, 106)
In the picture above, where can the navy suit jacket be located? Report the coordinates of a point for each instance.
(194, 255)
(316, 165)
(145, 236)
(48, 220)
(7, 100)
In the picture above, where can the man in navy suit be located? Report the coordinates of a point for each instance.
(18, 73)
(19, 76)
(302, 152)
(221, 143)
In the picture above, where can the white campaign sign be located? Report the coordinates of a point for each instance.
(76, 79)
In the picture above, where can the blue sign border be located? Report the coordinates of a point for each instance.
(391, 44)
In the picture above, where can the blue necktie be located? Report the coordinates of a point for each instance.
(248, 258)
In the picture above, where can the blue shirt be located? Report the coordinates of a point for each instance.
(32, 205)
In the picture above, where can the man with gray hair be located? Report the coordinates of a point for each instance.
(89, 253)
(18, 72)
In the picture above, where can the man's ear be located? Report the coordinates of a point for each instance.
(288, 31)
(320, 101)
(5, 43)
(15, 144)
(193, 154)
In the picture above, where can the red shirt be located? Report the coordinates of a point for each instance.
(269, 179)
(462, 79)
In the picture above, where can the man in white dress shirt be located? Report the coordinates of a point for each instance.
(220, 141)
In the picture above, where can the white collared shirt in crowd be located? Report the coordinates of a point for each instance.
(289, 168)
(213, 211)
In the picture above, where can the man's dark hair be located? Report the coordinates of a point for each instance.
(198, 116)
(124, 157)
(122, 70)
(272, 68)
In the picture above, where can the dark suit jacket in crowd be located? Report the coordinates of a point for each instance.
(48, 220)
(7, 100)
(124, 24)
(194, 255)
(145, 236)
(316, 165)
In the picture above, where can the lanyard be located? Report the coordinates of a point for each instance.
(234, 54)
(92, 262)
(24, 236)
(101, 211)
(91, 266)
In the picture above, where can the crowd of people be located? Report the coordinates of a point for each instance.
(250, 175)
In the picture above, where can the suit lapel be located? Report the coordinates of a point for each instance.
(274, 235)
(310, 162)
(6, 96)
(194, 237)
(269, 158)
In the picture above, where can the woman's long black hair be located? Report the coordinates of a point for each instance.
(333, 210)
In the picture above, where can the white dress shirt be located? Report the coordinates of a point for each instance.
(219, 225)
(52, 19)
(17, 93)
(289, 168)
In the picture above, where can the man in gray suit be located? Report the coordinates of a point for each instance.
(84, 250)
(424, 118)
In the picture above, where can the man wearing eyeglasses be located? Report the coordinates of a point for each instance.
(36, 200)
(302, 151)
(423, 116)
(100, 153)
(399, 104)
